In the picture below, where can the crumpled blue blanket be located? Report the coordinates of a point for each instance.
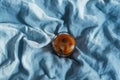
(27, 28)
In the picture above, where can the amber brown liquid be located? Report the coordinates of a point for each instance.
(64, 44)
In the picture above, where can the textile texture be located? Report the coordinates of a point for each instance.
(28, 27)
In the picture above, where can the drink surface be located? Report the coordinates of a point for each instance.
(64, 44)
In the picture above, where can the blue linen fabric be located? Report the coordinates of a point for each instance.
(27, 28)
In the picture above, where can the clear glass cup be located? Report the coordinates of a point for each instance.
(64, 44)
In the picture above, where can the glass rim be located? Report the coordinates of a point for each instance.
(59, 54)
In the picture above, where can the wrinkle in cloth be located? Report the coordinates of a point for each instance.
(27, 28)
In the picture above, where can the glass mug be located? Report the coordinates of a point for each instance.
(63, 44)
